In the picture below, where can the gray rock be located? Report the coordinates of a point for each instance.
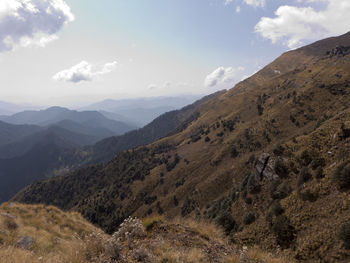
(264, 168)
(25, 242)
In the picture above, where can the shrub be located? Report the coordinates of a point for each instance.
(342, 176)
(284, 231)
(195, 138)
(345, 131)
(180, 182)
(276, 208)
(141, 254)
(207, 139)
(226, 221)
(113, 249)
(253, 185)
(319, 173)
(220, 134)
(308, 196)
(188, 206)
(278, 150)
(279, 190)
(234, 152)
(10, 223)
(176, 202)
(248, 218)
(305, 158)
(248, 200)
(159, 208)
(304, 176)
(344, 234)
(251, 159)
(318, 162)
(149, 222)
(281, 169)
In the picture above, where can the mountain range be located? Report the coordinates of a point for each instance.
(267, 161)
(70, 137)
(140, 111)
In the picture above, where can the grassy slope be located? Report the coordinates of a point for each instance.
(58, 236)
(302, 107)
(65, 237)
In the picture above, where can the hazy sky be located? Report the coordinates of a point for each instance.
(76, 51)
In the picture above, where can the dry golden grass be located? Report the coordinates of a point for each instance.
(204, 228)
(257, 255)
(58, 236)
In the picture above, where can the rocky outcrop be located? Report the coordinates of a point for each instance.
(339, 51)
(264, 167)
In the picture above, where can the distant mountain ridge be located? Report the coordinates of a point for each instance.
(141, 111)
(63, 143)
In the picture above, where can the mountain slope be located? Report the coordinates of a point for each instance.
(261, 160)
(69, 140)
(44, 154)
(10, 133)
(105, 149)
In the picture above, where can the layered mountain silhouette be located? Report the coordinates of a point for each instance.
(68, 142)
(140, 111)
(268, 161)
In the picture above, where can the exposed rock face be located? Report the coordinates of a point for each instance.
(264, 167)
(25, 242)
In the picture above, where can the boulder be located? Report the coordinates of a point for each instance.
(25, 242)
(264, 167)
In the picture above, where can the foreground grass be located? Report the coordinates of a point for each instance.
(65, 237)
(57, 236)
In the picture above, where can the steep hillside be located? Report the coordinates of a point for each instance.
(268, 161)
(162, 126)
(37, 163)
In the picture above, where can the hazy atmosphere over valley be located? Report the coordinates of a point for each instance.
(175, 131)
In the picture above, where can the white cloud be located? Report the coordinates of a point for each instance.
(227, 2)
(31, 22)
(293, 25)
(255, 3)
(223, 77)
(83, 72)
(238, 9)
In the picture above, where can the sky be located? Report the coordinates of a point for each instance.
(75, 52)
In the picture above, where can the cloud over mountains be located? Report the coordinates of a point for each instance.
(223, 77)
(83, 72)
(293, 25)
(31, 22)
